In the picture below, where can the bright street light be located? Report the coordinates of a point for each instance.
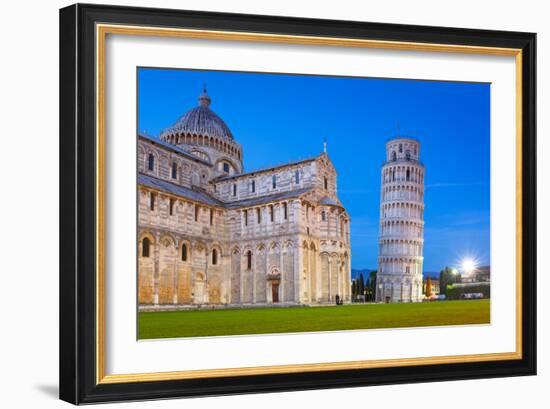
(468, 265)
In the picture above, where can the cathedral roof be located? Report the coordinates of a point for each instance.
(173, 148)
(255, 201)
(201, 120)
(207, 199)
(329, 201)
(266, 169)
(165, 186)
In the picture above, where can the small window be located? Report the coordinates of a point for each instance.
(174, 170)
(234, 189)
(152, 201)
(246, 217)
(214, 257)
(172, 202)
(297, 176)
(274, 181)
(249, 260)
(271, 213)
(408, 154)
(393, 156)
(253, 186)
(285, 211)
(400, 148)
(211, 217)
(323, 216)
(259, 215)
(184, 252)
(226, 167)
(196, 213)
(151, 162)
(326, 184)
(408, 175)
(145, 247)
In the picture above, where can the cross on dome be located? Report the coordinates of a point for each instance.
(204, 98)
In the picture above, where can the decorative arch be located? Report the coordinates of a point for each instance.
(199, 153)
(146, 268)
(152, 160)
(185, 251)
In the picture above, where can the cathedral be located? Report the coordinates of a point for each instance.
(211, 234)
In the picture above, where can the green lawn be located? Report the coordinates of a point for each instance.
(304, 319)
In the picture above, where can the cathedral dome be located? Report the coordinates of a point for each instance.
(201, 120)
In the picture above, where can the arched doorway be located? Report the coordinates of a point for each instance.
(273, 286)
(275, 291)
(199, 289)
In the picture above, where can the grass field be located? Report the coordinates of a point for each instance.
(202, 323)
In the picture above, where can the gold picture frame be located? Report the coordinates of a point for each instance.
(521, 47)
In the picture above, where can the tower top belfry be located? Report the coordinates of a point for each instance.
(402, 148)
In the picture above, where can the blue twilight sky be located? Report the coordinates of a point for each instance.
(279, 118)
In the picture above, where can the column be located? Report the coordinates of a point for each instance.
(281, 269)
(156, 273)
(175, 272)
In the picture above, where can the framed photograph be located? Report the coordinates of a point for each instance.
(258, 203)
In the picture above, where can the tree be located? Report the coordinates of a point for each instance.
(372, 285)
(428, 291)
(446, 277)
(361, 285)
(354, 290)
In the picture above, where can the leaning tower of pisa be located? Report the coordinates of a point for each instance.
(401, 241)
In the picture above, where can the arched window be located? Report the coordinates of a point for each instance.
(285, 211)
(151, 162)
(400, 148)
(323, 215)
(214, 257)
(249, 260)
(408, 175)
(393, 155)
(408, 154)
(145, 247)
(297, 176)
(184, 252)
(274, 181)
(326, 184)
(174, 170)
(226, 167)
